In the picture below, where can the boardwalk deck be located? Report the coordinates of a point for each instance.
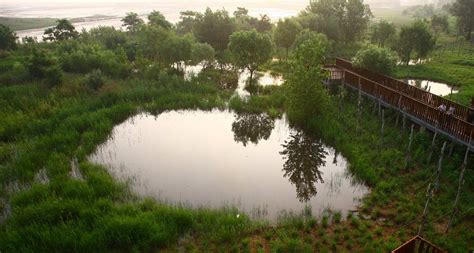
(417, 104)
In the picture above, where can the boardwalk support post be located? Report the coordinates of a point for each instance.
(398, 114)
(460, 183)
(382, 127)
(408, 157)
(431, 190)
(432, 148)
(359, 102)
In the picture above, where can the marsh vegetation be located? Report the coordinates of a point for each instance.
(214, 132)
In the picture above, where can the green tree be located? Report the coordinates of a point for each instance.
(382, 32)
(132, 22)
(7, 38)
(439, 23)
(95, 79)
(214, 28)
(244, 21)
(264, 24)
(377, 59)
(250, 49)
(176, 51)
(310, 35)
(108, 36)
(156, 18)
(150, 41)
(64, 30)
(306, 96)
(321, 24)
(414, 38)
(187, 22)
(349, 17)
(464, 12)
(41, 65)
(202, 53)
(356, 19)
(286, 32)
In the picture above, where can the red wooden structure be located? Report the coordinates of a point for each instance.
(419, 105)
(418, 245)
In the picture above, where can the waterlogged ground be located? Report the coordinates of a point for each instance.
(260, 78)
(219, 158)
(440, 89)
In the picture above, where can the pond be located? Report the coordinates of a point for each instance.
(217, 158)
(440, 89)
(262, 78)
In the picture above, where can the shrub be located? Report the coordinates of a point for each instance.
(95, 79)
(43, 66)
(337, 217)
(380, 60)
(14, 75)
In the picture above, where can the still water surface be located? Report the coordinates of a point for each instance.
(440, 89)
(116, 9)
(257, 164)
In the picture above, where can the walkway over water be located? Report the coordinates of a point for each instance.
(418, 105)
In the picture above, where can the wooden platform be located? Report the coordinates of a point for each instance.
(418, 105)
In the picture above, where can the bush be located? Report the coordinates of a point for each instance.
(95, 79)
(45, 67)
(377, 59)
(14, 75)
(83, 58)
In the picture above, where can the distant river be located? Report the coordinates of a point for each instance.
(116, 9)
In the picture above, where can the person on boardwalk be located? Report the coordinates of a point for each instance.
(449, 116)
(442, 115)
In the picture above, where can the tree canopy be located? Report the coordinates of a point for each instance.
(305, 94)
(286, 32)
(156, 18)
(7, 38)
(214, 28)
(414, 38)
(464, 11)
(132, 22)
(382, 32)
(339, 19)
(250, 49)
(64, 30)
(377, 59)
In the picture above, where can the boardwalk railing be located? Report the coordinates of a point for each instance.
(418, 245)
(424, 96)
(417, 103)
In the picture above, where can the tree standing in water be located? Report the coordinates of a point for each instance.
(285, 33)
(250, 49)
(306, 95)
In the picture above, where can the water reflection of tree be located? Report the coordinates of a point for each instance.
(304, 155)
(249, 127)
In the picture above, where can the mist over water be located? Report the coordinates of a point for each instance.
(171, 9)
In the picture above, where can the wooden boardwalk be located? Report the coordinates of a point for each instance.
(418, 105)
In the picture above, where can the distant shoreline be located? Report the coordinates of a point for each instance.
(22, 24)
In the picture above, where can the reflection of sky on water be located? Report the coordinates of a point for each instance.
(263, 78)
(436, 88)
(118, 8)
(193, 157)
(275, 9)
